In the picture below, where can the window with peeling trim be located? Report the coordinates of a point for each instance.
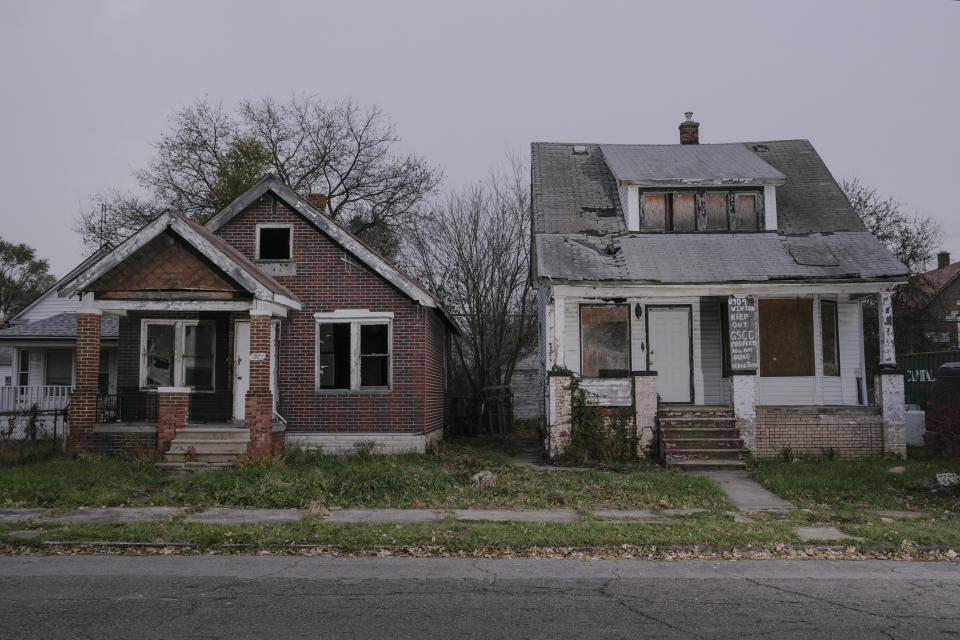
(353, 353)
(605, 341)
(786, 337)
(178, 353)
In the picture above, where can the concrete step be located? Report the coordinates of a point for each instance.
(215, 446)
(202, 439)
(695, 412)
(702, 443)
(705, 454)
(703, 434)
(680, 464)
(220, 458)
(213, 433)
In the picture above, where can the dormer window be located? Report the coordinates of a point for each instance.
(274, 242)
(690, 210)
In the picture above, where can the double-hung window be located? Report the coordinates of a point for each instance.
(354, 350)
(177, 353)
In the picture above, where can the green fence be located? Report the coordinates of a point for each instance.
(919, 372)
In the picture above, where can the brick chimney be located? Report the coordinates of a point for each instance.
(689, 130)
(943, 259)
(318, 201)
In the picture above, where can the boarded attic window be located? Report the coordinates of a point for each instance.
(273, 242)
(716, 206)
(605, 340)
(684, 212)
(654, 211)
(748, 218)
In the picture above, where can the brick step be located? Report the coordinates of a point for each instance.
(696, 412)
(697, 419)
(705, 465)
(702, 443)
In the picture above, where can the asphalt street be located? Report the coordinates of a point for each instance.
(307, 597)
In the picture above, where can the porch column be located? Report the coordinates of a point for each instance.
(259, 399)
(645, 407)
(744, 363)
(85, 395)
(889, 383)
(559, 409)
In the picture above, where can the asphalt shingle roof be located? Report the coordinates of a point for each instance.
(713, 257)
(58, 327)
(729, 164)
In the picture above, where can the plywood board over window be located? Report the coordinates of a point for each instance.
(684, 212)
(748, 212)
(716, 206)
(786, 337)
(605, 341)
(654, 207)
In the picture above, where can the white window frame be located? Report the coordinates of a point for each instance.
(355, 318)
(256, 250)
(179, 372)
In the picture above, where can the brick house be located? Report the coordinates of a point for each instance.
(712, 292)
(269, 325)
(935, 299)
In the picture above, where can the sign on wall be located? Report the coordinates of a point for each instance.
(742, 321)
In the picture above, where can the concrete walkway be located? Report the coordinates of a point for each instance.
(745, 493)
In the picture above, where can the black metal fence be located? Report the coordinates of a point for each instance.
(129, 407)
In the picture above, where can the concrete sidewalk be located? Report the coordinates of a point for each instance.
(745, 492)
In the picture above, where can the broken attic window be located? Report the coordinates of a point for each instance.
(747, 210)
(654, 212)
(333, 355)
(273, 243)
(716, 206)
(829, 338)
(786, 337)
(605, 340)
(684, 212)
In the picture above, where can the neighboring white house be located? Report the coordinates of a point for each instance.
(714, 290)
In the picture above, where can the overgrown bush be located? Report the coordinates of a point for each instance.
(599, 434)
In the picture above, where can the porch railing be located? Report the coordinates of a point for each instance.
(129, 407)
(44, 397)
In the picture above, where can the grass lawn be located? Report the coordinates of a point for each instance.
(64, 483)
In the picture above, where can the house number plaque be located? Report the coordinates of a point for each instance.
(742, 316)
(258, 357)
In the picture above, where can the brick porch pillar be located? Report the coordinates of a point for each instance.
(85, 396)
(259, 400)
(173, 404)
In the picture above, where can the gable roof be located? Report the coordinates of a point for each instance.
(62, 326)
(349, 242)
(224, 256)
(53, 290)
(568, 187)
(653, 165)
(932, 282)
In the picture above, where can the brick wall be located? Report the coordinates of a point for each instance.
(113, 440)
(327, 279)
(435, 373)
(842, 433)
(84, 398)
(173, 416)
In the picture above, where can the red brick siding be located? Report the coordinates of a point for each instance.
(173, 416)
(258, 408)
(124, 445)
(436, 393)
(328, 279)
(84, 398)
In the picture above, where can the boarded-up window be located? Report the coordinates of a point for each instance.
(684, 212)
(716, 206)
(786, 337)
(747, 212)
(654, 211)
(829, 338)
(605, 341)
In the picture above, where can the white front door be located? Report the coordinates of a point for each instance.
(669, 351)
(241, 370)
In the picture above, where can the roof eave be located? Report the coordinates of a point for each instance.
(700, 182)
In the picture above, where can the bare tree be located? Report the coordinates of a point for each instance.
(472, 249)
(209, 156)
(913, 239)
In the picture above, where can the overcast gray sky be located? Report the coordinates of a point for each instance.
(86, 86)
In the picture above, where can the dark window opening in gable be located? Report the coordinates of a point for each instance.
(829, 338)
(333, 355)
(605, 341)
(786, 337)
(273, 243)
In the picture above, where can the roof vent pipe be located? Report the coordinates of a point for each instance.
(689, 130)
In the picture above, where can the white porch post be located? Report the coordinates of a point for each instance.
(558, 381)
(889, 383)
(744, 363)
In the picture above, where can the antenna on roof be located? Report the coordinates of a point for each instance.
(103, 216)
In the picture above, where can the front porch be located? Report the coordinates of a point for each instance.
(787, 366)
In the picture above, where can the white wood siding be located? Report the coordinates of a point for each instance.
(47, 305)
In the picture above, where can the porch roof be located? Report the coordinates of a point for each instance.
(62, 326)
(223, 256)
(713, 257)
